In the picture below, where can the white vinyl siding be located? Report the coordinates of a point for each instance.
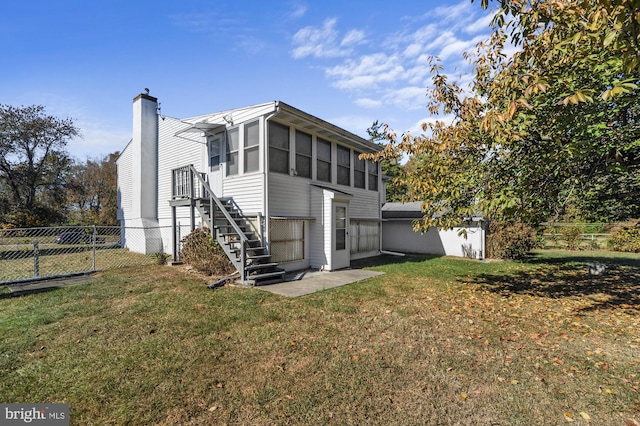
(125, 182)
(247, 192)
(173, 152)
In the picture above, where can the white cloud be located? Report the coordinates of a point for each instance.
(368, 72)
(480, 24)
(390, 70)
(325, 41)
(298, 10)
(368, 103)
(407, 98)
(353, 37)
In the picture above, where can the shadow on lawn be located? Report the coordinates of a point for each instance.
(618, 286)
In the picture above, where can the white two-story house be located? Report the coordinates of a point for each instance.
(281, 188)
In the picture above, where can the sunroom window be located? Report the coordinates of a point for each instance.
(278, 148)
(323, 162)
(303, 154)
(358, 171)
(233, 146)
(251, 147)
(344, 166)
(373, 175)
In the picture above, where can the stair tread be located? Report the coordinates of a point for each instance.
(258, 256)
(266, 275)
(260, 266)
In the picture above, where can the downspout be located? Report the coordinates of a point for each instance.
(265, 189)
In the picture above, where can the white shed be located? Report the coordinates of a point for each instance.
(398, 234)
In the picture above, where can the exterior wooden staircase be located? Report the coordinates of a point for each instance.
(230, 228)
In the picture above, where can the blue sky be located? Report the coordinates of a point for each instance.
(347, 62)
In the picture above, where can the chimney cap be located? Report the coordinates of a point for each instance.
(145, 96)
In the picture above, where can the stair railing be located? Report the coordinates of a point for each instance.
(214, 202)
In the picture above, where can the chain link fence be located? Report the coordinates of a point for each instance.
(36, 253)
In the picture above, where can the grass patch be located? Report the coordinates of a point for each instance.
(432, 341)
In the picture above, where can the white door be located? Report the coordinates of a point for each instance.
(215, 144)
(340, 249)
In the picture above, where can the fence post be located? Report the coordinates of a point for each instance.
(36, 259)
(94, 239)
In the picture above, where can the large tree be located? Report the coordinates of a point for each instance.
(538, 128)
(92, 191)
(33, 164)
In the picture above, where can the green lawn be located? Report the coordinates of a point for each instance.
(432, 341)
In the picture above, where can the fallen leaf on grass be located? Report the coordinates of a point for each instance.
(631, 422)
(464, 396)
(568, 416)
(213, 408)
(585, 416)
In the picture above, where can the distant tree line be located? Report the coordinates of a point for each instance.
(40, 183)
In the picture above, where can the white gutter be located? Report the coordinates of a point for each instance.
(265, 189)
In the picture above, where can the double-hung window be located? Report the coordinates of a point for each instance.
(344, 166)
(323, 163)
(251, 146)
(278, 148)
(303, 154)
(233, 146)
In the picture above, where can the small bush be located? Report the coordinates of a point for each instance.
(571, 235)
(510, 241)
(161, 258)
(202, 252)
(625, 237)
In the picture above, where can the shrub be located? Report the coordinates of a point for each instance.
(625, 237)
(202, 252)
(571, 235)
(161, 257)
(507, 241)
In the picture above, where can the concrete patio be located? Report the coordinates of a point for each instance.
(308, 282)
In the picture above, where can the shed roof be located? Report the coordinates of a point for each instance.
(412, 209)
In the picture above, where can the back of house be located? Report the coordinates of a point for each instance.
(277, 185)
